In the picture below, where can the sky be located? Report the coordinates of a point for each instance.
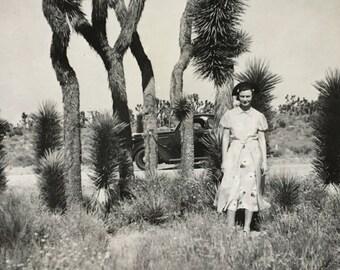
(300, 39)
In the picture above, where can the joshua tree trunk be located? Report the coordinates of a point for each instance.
(117, 79)
(187, 144)
(149, 95)
(95, 35)
(223, 99)
(70, 89)
(176, 89)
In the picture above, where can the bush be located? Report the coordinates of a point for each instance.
(49, 165)
(105, 157)
(51, 180)
(284, 190)
(301, 149)
(326, 129)
(282, 123)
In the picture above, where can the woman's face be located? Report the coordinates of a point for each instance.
(245, 97)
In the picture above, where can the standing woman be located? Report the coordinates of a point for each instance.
(244, 159)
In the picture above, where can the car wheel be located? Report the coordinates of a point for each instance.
(139, 159)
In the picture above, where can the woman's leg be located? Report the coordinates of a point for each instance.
(247, 220)
(231, 218)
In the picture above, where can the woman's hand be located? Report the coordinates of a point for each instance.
(264, 168)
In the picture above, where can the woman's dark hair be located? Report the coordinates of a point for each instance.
(242, 86)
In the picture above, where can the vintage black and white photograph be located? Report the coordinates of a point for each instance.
(179, 134)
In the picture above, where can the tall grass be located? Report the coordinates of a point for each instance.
(105, 159)
(33, 237)
(327, 128)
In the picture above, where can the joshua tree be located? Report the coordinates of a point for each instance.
(149, 94)
(95, 35)
(327, 128)
(217, 44)
(176, 89)
(56, 15)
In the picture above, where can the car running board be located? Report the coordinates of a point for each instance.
(179, 159)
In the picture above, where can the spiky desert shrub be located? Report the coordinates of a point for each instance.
(326, 125)
(284, 190)
(51, 180)
(213, 151)
(47, 129)
(49, 166)
(258, 74)
(105, 159)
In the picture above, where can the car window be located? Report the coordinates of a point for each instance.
(197, 126)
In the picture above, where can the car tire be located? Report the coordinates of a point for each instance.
(139, 159)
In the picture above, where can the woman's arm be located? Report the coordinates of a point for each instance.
(263, 146)
(225, 144)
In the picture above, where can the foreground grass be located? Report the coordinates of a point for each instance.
(304, 237)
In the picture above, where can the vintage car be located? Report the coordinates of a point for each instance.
(169, 142)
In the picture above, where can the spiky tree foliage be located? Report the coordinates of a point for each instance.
(55, 13)
(49, 162)
(217, 44)
(326, 126)
(3, 179)
(218, 40)
(105, 159)
(47, 130)
(258, 74)
(51, 180)
(285, 190)
(182, 108)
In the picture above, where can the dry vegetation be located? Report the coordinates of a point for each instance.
(166, 227)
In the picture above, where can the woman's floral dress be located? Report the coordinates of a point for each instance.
(242, 184)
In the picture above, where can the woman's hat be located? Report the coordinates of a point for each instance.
(243, 86)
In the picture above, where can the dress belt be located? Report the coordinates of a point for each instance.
(243, 142)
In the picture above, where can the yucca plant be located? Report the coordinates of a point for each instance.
(49, 160)
(51, 180)
(326, 129)
(47, 130)
(213, 150)
(105, 158)
(3, 180)
(285, 190)
(264, 81)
